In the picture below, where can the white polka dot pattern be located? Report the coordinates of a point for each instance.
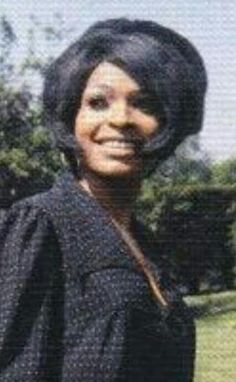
(74, 305)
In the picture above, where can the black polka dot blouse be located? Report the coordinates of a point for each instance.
(74, 305)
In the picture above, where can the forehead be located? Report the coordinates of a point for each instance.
(107, 76)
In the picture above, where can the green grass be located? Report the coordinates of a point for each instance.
(216, 337)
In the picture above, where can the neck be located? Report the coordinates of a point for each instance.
(116, 195)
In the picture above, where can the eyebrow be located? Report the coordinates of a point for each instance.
(110, 89)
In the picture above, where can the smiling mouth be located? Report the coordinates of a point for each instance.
(121, 144)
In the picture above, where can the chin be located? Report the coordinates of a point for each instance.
(119, 169)
(118, 172)
(113, 168)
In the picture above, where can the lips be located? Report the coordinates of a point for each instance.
(120, 143)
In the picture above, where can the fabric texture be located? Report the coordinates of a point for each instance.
(74, 304)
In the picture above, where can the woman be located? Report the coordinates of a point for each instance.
(81, 298)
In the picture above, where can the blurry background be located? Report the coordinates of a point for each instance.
(190, 202)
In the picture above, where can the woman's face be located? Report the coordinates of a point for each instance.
(113, 122)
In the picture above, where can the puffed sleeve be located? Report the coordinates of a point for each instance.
(28, 263)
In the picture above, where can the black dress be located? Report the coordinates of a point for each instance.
(75, 306)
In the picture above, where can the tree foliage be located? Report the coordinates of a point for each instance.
(27, 161)
(195, 227)
(224, 172)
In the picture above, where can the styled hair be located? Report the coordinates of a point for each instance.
(162, 62)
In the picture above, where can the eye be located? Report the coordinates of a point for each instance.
(98, 102)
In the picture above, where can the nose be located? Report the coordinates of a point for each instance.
(119, 115)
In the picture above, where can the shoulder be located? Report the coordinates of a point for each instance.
(36, 208)
(44, 217)
(29, 248)
(26, 218)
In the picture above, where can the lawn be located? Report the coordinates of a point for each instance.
(216, 337)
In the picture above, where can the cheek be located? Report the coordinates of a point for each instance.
(81, 125)
(150, 126)
(84, 130)
(87, 123)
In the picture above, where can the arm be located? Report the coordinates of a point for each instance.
(27, 271)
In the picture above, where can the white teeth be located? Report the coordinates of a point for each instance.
(119, 144)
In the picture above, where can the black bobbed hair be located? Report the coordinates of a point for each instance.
(162, 62)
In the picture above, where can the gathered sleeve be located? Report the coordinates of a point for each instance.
(28, 258)
(74, 306)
